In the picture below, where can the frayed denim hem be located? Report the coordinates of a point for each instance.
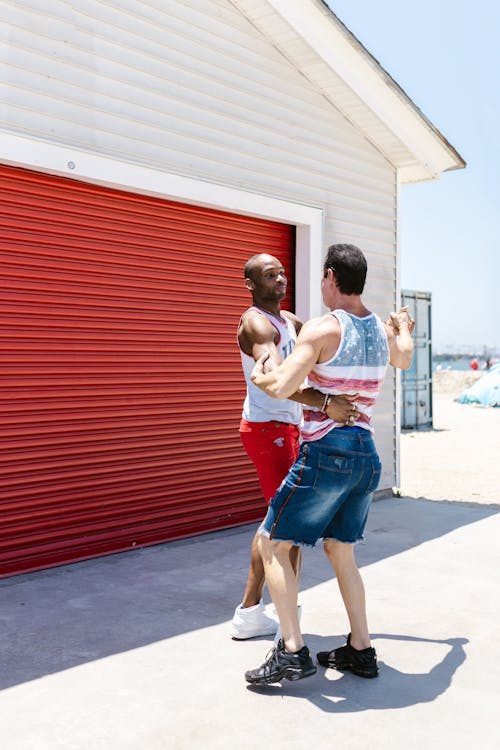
(342, 541)
(295, 542)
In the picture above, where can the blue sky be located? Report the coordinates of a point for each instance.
(445, 55)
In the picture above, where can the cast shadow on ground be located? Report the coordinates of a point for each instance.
(391, 689)
(63, 617)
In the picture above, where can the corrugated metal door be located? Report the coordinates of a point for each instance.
(122, 386)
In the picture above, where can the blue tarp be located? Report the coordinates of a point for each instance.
(485, 391)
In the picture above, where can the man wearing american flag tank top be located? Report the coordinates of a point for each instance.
(328, 491)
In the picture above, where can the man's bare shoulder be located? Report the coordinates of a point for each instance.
(254, 318)
(255, 328)
(322, 326)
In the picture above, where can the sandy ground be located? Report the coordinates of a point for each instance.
(458, 460)
(453, 382)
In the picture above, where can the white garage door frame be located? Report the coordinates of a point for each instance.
(101, 170)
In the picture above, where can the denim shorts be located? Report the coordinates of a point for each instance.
(328, 491)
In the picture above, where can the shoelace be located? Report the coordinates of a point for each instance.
(270, 661)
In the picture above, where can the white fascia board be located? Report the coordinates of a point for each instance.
(330, 40)
(82, 165)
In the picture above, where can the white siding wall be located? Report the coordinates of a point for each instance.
(192, 87)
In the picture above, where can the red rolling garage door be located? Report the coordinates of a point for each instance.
(121, 382)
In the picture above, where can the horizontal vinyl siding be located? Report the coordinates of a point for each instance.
(180, 89)
(192, 87)
(383, 424)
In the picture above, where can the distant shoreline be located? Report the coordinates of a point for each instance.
(460, 362)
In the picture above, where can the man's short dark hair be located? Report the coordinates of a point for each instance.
(349, 266)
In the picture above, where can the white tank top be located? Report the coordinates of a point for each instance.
(258, 406)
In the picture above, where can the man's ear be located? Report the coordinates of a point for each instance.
(330, 275)
(249, 285)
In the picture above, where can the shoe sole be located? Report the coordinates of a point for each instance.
(263, 634)
(288, 674)
(355, 670)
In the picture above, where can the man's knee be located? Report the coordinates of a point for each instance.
(338, 553)
(272, 549)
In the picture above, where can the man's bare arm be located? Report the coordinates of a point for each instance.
(400, 344)
(339, 408)
(257, 335)
(283, 381)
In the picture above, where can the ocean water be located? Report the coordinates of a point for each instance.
(457, 364)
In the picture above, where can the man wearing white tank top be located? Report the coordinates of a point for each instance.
(269, 428)
(328, 491)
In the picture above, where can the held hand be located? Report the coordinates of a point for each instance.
(401, 318)
(342, 409)
(269, 364)
(259, 368)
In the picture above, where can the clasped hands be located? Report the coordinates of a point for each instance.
(400, 318)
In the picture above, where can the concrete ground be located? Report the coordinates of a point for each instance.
(132, 650)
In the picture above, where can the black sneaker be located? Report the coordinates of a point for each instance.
(362, 663)
(280, 664)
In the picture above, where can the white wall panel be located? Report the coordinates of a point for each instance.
(192, 87)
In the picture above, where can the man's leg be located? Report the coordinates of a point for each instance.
(351, 587)
(281, 580)
(296, 560)
(272, 459)
(256, 576)
(250, 619)
(289, 659)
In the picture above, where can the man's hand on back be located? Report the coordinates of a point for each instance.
(341, 408)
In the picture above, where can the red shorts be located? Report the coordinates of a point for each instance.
(273, 447)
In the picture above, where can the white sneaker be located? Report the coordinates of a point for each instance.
(277, 637)
(249, 622)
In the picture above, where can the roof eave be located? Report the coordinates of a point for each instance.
(355, 82)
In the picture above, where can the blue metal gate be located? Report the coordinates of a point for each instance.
(416, 411)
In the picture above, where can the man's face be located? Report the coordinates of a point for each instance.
(269, 280)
